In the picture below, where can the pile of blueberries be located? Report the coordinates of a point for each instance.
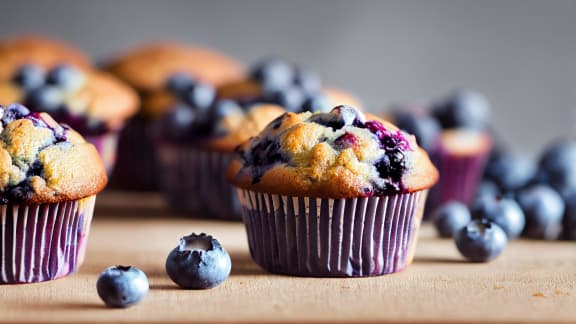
(198, 262)
(517, 196)
(198, 109)
(46, 91)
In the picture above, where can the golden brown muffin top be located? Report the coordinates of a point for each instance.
(146, 68)
(338, 154)
(39, 50)
(465, 142)
(42, 161)
(90, 101)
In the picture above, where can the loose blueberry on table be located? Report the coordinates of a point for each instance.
(504, 212)
(198, 262)
(122, 286)
(450, 218)
(544, 209)
(481, 240)
(510, 172)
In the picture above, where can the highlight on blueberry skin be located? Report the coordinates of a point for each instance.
(481, 240)
(198, 262)
(122, 286)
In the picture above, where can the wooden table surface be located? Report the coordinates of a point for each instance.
(533, 281)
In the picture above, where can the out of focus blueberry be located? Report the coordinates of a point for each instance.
(200, 96)
(558, 165)
(544, 209)
(463, 109)
(450, 217)
(317, 103)
(569, 219)
(308, 80)
(29, 77)
(291, 98)
(179, 83)
(273, 73)
(46, 99)
(424, 127)
(503, 211)
(510, 172)
(65, 77)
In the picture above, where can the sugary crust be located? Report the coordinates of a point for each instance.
(38, 50)
(465, 142)
(147, 67)
(71, 169)
(316, 169)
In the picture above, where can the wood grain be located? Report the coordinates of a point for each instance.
(532, 281)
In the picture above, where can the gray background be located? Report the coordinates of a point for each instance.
(521, 54)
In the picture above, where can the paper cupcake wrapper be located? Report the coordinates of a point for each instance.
(194, 181)
(106, 146)
(332, 237)
(136, 167)
(459, 179)
(43, 242)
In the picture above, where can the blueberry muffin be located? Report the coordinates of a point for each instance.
(49, 176)
(38, 50)
(146, 69)
(279, 82)
(195, 140)
(332, 194)
(94, 103)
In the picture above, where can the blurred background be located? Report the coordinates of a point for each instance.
(520, 54)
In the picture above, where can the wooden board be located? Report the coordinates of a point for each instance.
(532, 281)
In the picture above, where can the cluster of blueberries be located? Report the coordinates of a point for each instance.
(46, 91)
(198, 108)
(198, 262)
(517, 196)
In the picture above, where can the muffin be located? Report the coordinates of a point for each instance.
(332, 194)
(146, 69)
(49, 176)
(94, 103)
(38, 50)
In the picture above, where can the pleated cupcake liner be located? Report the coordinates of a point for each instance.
(43, 242)
(321, 237)
(193, 181)
(106, 145)
(136, 166)
(459, 179)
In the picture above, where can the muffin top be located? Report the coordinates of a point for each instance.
(41, 51)
(146, 68)
(464, 142)
(90, 101)
(338, 154)
(42, 161)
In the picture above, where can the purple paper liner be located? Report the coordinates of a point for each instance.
(136, 167)
(321, 237)
(459, 178)
(193, 181)
(106, 146)
(43, 242)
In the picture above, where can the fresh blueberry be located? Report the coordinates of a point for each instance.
(200, 96)
(122, 286)
(179, 83)
(481, 240)
(13, 112)
(223, 108)
(316, 103)
(510, 172)
(46, 99)
(463, 109)
(487, 188)
(291, 98)
(569, 219)
(199, 262)
(424, 127)
(274, 74)
(503, 211)
(450, 217)
(29, 77)
(558, 165)
(308, 80)
(65, 77)
(179, 121)
(338, 117)
(544, 209)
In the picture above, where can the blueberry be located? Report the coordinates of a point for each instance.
(46, 99)
(179, 83)
(316, 103)
(200, 96)
(544, 209)
(29, 77)
(290, 98)
(569, 219)
(558, 165)
(463, 109)
(13, 112)
(450, 217)
(338, 117)
(65, 77)
(199, 262)
(505, 212)
(510, 172)
(487, 188)
(273, 74)
(178, 122)
(481, 240)
(424, 127)
(223, 108)
(122, 286)
(308, 80)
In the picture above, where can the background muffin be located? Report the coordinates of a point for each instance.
(146, 69)
(332, 194)
(94, 103)
(49, 177)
